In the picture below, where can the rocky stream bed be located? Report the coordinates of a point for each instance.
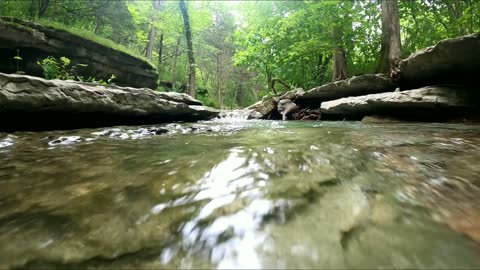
(232, 193)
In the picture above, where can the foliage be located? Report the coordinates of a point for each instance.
(293, 40)
(54, 68)
(241, 47)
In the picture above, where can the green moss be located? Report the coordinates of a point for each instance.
(16, 25)
(78, 32)
(95, 38)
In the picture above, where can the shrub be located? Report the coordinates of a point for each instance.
(54, 68)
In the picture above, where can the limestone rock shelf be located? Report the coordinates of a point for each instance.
(36, 42)
(32, 103)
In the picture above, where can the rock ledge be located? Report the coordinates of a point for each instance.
(32, 103)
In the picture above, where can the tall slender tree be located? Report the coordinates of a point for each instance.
(191, 59)
(174, 63)
(390, 44)
(157, 5)
(339, 58)
(151, 41)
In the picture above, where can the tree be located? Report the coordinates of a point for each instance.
(339, 57)
(157, 4)
(43, 5)
(236, 52)
(191, 59)
(174, 63)
(390, 41)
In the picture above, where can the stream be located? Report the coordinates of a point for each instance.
(231, 193)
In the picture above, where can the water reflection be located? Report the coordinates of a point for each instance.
(254, 194)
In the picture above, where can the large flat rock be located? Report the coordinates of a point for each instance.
(355, 86)
(454, 60)
(424, 103)
(180, 97)
(32, 103)
(36, 42)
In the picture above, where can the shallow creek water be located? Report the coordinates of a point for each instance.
(242, 194)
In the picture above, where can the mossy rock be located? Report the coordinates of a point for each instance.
(103, 57)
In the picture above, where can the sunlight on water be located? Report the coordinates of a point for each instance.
(242, 194)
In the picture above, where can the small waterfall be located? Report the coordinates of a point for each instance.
(233, 116)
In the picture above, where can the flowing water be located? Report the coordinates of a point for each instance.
(231, 193)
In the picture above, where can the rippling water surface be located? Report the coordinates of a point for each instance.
(238, 194)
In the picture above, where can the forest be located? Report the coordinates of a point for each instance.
(230, 54)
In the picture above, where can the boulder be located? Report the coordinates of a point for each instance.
(293, 94)
(427, 103)
(355, 86)
(455, 60)
(262, 109)
(32, 103)
(35, 42)
(286, 107)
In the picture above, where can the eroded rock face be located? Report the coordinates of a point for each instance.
(432, 102)
(355, 86)
(449, 61)
(33, 103)
(36, 42)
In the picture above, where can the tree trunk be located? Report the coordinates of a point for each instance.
(322, 67)
(151, 41)
(98, 24)
(32, 10)
(339, 64)
(174, 64)
(339, 58)
(153, 31)
(272, 84)
(160, 53)
(269, 80)
(219, 90)
(191, 59)
(157, 4)
(42, 7)
(390, 44)
(239, 95)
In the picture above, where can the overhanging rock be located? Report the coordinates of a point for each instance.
(455, 60)
(35, 42)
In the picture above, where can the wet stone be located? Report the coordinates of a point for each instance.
(65, 140)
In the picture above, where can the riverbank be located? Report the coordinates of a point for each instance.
(435, 84)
